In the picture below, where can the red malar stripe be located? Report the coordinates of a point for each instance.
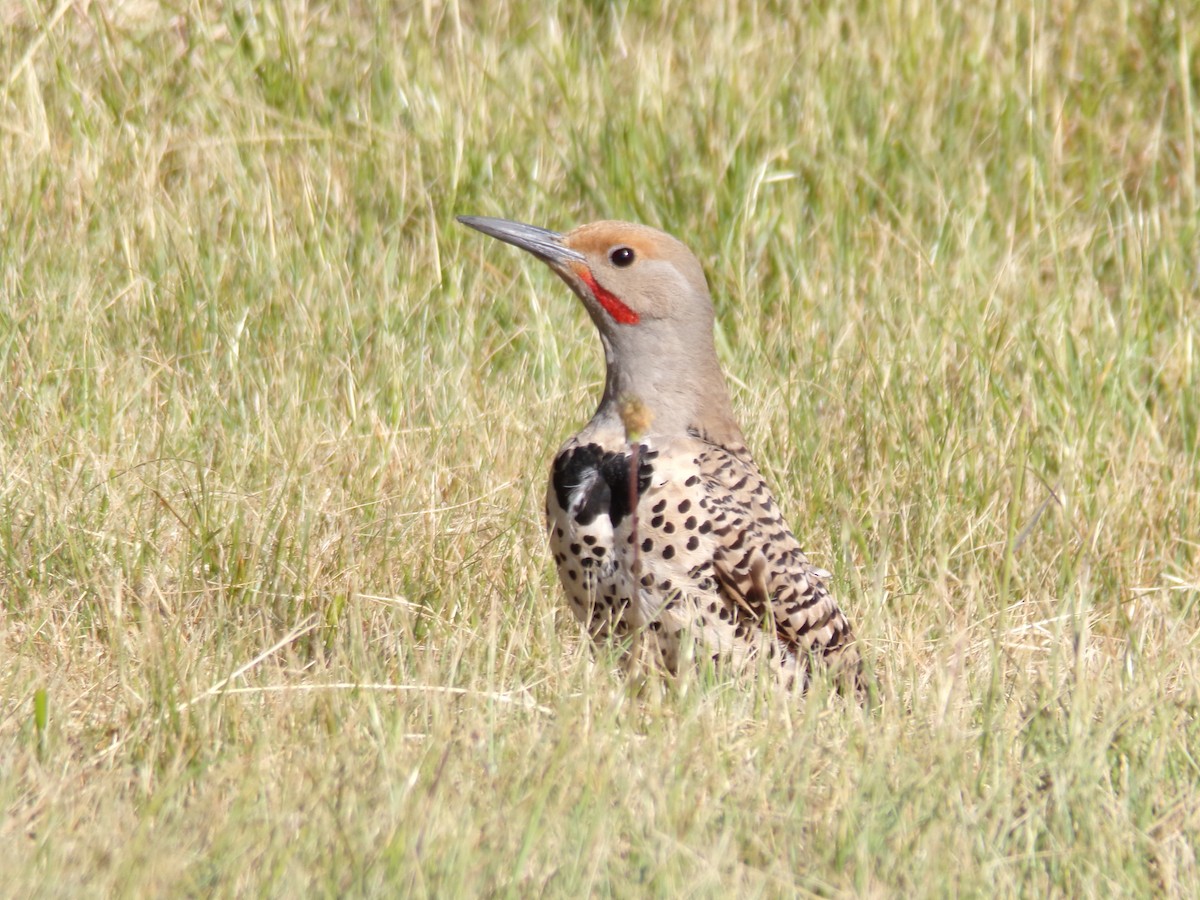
(618, 310)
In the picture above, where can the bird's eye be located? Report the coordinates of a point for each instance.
(622, 256)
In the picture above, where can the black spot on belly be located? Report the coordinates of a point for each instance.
(598, 482)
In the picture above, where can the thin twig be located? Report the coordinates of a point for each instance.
(299, 631)
(497, 696)
(636, 568)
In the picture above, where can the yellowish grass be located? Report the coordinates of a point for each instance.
(275, 609)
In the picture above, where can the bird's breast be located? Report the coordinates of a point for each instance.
(590, 481)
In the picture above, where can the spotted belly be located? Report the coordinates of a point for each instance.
(650, 578)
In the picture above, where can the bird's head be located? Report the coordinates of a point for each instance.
(626, 275)
(647, 295)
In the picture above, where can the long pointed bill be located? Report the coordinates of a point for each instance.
(546, 245)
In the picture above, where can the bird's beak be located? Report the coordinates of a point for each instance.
(546, 245)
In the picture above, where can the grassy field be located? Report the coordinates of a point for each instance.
(276, 611)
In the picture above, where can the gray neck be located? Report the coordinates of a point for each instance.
(675, 377)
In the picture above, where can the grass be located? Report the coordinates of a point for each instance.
(276, 611)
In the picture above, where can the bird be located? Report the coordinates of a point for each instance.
(666, 537)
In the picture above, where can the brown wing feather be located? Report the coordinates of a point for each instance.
(761, 568)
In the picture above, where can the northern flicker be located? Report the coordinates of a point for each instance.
(664, 532)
